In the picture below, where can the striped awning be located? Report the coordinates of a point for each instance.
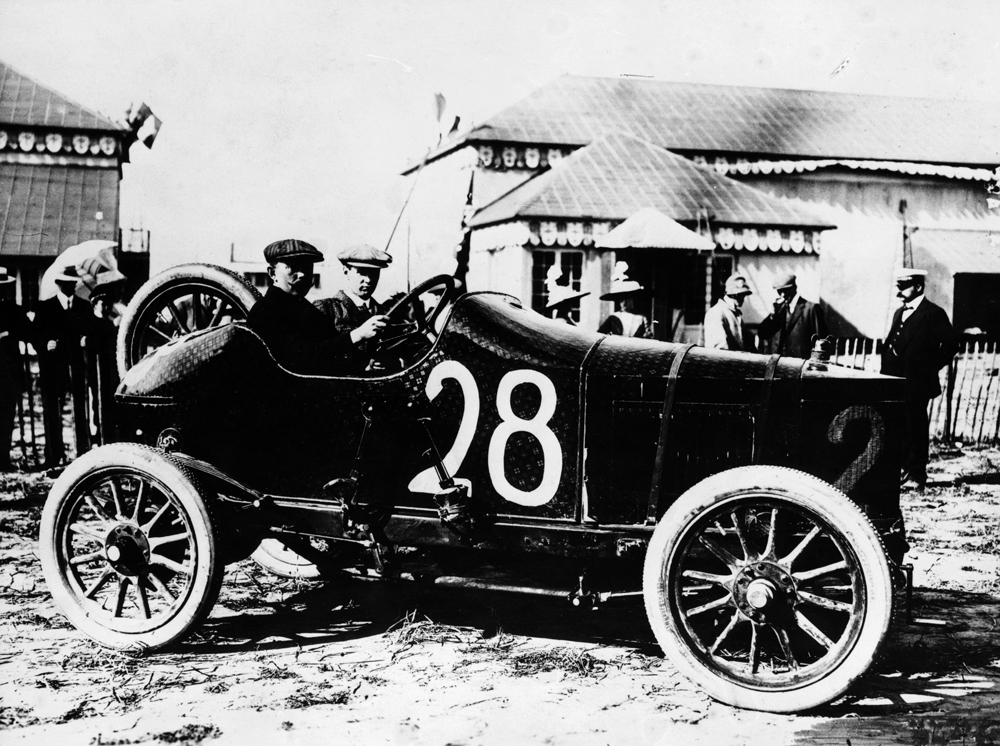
(44, 208)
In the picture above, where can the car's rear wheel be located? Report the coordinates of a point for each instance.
(128, 548)
(180, 300)
(769, 588)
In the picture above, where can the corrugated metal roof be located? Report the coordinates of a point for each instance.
(619, 175)
(957, 251)
(25, 102)
(44, 209)
(574, 110)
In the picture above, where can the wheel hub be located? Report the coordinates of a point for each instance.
(764, 592)
(127, 549)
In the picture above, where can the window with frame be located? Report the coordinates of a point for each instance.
(571, 263)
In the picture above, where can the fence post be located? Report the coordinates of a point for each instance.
(950, 391)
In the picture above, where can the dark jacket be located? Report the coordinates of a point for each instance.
(918, 349)
(14, 327)
(299, 336)
(66, 328)
(792, 335)
(346, 316)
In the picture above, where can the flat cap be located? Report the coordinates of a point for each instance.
(364, 255)
(908, 274)
(737, 285)
(291, 248)
(786, 280)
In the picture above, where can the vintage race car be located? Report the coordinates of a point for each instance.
(752, 500)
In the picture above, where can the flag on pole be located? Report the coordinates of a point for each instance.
(439, 104)
(145, 124)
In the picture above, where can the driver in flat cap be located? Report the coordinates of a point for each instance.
(353, 310)
(296, 333)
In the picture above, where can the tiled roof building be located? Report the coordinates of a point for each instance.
(765, 172)
(60, 172)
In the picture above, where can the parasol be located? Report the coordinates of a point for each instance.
(93, 262)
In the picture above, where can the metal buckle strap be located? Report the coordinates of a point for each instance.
(765, 400)
(661, 444)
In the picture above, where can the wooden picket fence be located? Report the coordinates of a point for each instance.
(969, 410)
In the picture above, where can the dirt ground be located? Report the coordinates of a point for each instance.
(286, 661)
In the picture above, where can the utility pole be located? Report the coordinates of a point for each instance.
(908, 231)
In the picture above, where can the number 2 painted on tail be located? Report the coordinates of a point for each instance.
(510, 423)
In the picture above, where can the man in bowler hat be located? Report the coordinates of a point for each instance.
(921, 342)
(353, 310)
(790, 328)
(724, 320)
(297, 334)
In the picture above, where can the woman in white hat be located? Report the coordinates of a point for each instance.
(626, 293)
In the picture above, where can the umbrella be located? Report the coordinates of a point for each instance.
(93, 262)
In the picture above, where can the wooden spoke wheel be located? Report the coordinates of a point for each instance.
(178, 301)
(128, 549)
(769, 588)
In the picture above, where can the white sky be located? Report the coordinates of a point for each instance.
(293, 118)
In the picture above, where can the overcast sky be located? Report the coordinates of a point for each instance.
(294, 118)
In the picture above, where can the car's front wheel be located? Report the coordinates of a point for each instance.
(769, 588)
(128, 548)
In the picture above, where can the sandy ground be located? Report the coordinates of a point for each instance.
(285, 661)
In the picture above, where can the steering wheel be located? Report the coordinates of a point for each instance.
(411, 327)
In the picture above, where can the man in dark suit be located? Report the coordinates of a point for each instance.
(296, 333)
(353, 310)
(790, 328)
(921, 341)
(61, 325)
(13, 329)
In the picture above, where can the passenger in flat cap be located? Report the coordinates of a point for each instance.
(790, 328)
(353, 310)
(724, 321)
(296, 333)
(920, 343)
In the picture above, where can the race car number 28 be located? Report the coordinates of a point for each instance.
(536, 426)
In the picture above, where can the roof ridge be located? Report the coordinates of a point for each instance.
(6, 67)
(537, 194)
(797, 91)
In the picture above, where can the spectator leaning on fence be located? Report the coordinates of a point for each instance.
(790, 328)
(13, 329)
(921, 341)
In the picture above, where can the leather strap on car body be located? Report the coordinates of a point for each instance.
(765, 402)
(661, 444)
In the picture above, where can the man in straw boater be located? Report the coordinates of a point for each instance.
(297, 333)
(561, 298)
(724, 320)
(920, 343)
(13, 329)
(626, 321)
(354, 310)
(795, 321)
